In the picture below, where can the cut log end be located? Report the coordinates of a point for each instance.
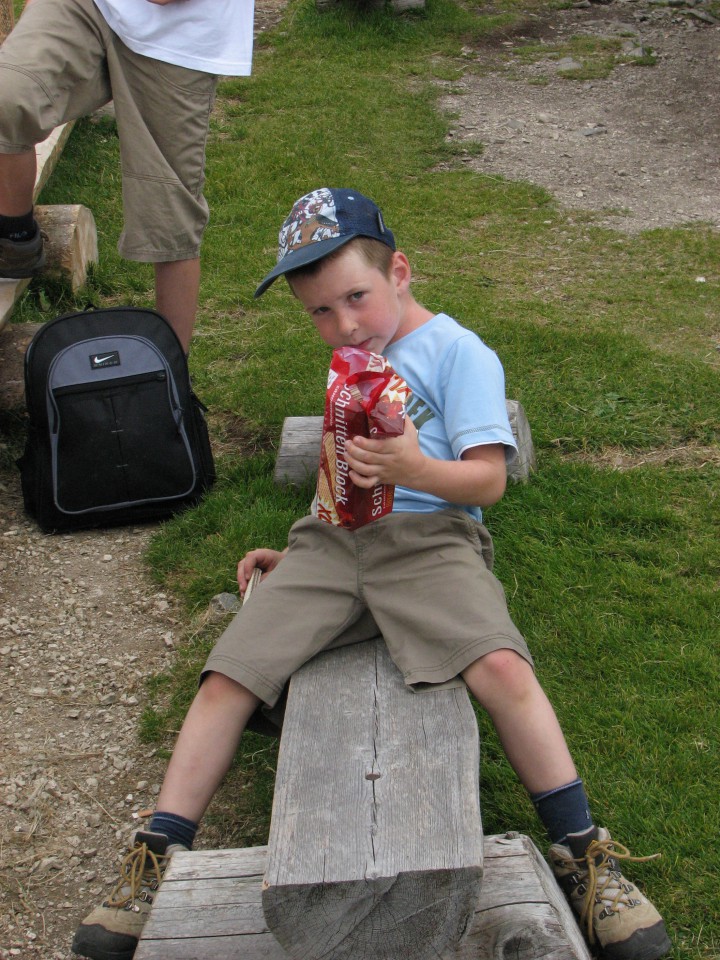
(410, 915)
(71, 244)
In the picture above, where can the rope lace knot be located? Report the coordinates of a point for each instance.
(605, 883)
(141, 870)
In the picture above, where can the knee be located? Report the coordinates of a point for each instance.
(21, 128)
(500, 673)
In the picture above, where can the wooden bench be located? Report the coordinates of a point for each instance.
(210, 908)
(299, 453)
(376, 849)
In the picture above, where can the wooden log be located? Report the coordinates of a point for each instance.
(72, 242)
(375, 848)
(209, 908)
(48, 153)
(299, 453)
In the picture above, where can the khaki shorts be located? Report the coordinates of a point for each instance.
(62, 62)
(421, 581)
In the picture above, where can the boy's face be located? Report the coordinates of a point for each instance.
(354, 304)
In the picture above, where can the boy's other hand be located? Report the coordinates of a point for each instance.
(397, 460)
(263, 558)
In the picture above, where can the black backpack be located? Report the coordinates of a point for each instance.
(115, 433)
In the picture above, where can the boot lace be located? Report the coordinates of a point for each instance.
(605, 883)
(140, 868)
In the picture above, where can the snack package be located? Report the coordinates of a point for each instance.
(365, 397)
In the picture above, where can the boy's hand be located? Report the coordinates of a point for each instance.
(263, 558)
(397, 460)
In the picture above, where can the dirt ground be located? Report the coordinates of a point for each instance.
(641, 147)
(81, 624)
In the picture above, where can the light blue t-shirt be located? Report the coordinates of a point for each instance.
(457, 399)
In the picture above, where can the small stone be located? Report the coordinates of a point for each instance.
(222, 604)
(567, 63)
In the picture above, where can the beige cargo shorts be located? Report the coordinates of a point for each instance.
(62, 62)
(423, 582)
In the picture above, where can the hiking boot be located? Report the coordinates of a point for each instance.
(21, 258)
(112, 930)
(614, 914)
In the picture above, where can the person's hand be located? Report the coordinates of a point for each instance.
(396, 460)
(263, 558)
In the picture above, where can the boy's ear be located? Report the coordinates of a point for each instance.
(400, 271)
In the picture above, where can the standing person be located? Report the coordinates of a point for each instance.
(334, 586)
(159, 61)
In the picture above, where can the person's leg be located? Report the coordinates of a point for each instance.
(17, 180)
(52, 69)
(21, 242)
(177, 291)
(203, 752)
(585, 860)
(162, 113)
(506, 686)
(206, 745)
(303, 622)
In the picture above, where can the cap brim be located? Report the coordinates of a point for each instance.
(315, 250)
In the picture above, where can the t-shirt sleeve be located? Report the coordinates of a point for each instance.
(475, 412)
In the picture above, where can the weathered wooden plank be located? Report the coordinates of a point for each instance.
(209, 906)
(375, 847)
(48, 153)
(241, 947)
(299, 453)
(218, 864)
(521, 913)
(10, 293)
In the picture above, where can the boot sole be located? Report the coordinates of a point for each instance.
(22, 273)
(97, 943)
(650, 944)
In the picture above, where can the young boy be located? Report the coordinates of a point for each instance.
(332, 585)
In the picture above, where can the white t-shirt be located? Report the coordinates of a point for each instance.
(213, 36)
(457, 401)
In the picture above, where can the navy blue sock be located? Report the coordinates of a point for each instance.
(176, 829)
(564, 811)
(18, 228)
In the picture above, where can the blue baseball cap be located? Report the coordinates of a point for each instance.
(321, 222)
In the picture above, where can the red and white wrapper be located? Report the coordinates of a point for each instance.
(365, 398)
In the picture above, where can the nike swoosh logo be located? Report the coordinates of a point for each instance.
(108, 356)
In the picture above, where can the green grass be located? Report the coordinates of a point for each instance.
(610, 343)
